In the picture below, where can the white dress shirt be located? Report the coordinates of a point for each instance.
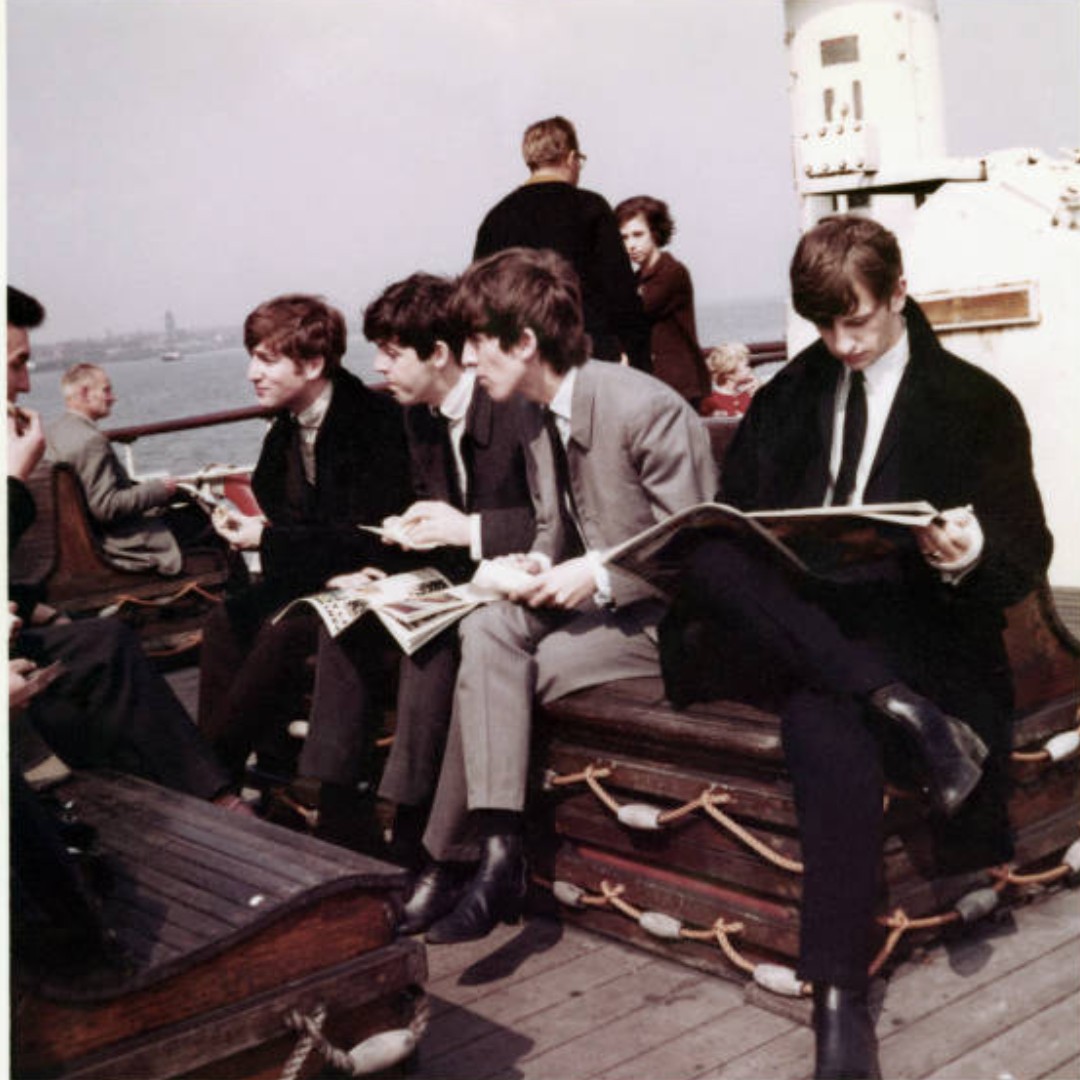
(455, 407)
(309, 421)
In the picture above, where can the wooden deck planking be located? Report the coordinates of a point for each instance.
(684, 1055)
(1067, 1070)
(688, 1006)
(1002, 1001)
(574, 982)
(1040, 1043)
(547, 1002)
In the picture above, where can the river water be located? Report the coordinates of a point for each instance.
(152, 389)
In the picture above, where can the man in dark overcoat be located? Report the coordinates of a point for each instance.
(910, 648)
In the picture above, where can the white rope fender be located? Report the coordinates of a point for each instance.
(377, 1052)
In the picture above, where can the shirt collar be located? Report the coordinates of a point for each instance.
(890, 365)
(564, 396)
(456, 403)
(315, 413)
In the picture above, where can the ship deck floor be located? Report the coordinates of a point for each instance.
(546, 1000)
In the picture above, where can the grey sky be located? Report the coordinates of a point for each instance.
(201, 155)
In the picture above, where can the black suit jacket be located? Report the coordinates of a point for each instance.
(361, 477)
(955, 437)
(495, 463)
(581, 227)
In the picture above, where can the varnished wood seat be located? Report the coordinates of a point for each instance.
(62, 552)
(624, 742)
(229, 923)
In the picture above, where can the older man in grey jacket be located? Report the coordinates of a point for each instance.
(609, 452)
(132, 536)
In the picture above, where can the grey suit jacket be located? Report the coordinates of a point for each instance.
(131, 540)
(637, 453)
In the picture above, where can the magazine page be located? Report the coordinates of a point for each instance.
(340, 608)
(823, 541)
(657, 555)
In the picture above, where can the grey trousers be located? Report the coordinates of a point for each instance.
(511, 655)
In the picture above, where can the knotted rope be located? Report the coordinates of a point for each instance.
(378, 1052)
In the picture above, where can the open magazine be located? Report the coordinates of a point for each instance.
(414, 606)
(822, 541)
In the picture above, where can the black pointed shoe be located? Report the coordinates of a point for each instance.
(435, 894)
(952, 754)
(845, 1046)
(496, 894)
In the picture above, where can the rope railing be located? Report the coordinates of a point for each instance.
(781, 979)
(974, 905)
(645, 816)
(648, 817)
(192, 588)
(1058, 747)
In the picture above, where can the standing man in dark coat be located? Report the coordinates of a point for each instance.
(550, 211)
(334, 459)
(876, 411)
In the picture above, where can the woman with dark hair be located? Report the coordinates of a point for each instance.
(666, 294)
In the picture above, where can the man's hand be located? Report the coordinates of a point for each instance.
(14, 622)
(434, 524)
(565, 586)
(46, 615)
(951, 540)
(356, 579)
(26, 680)
(242, 531)
(25, 441)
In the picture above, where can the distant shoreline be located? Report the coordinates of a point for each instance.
(750, 318)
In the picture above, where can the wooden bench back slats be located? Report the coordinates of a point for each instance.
(62, 551)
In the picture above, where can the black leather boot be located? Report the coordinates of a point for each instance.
(952, 754)
(435, 894)
(845, 1046)
(496, 894)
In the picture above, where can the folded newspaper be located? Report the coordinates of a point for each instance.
(415, 606)
(823, 541)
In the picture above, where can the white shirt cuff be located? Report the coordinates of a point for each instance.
(476, 538)
(603, 596)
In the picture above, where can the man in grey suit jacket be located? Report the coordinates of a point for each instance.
(611, 452)
(131, 538)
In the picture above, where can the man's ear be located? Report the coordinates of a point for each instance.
(526, 347)
(313, 369)
(899, 297)
(440, 355)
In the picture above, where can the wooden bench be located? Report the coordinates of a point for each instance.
(62, 552)
(717, 768)
(230, 925)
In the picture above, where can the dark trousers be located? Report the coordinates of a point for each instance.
(351, 673)
(425, 700)
(254, 679)
(112, 709)
(822, 651)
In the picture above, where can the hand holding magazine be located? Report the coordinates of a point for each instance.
(414, 606)
(820, 540)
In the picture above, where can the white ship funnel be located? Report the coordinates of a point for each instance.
(866, 95)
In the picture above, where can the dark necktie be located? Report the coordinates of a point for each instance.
(854, 436)
(299, 494)
(574, 544)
